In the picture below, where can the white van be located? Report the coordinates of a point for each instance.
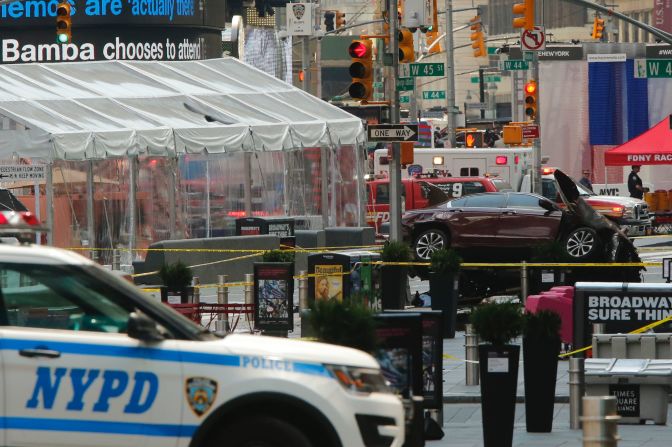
(509, 164)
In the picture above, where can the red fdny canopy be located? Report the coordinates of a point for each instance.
(653, 147)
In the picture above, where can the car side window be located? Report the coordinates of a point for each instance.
(486, 201)
(472, 188)
(43, 297)
(457, 203)
(382, 193)
(522, 201)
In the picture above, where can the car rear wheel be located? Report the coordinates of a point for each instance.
(581, 243)
(428, 241)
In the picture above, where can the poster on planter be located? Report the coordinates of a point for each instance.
(273, 296)
(400, 351)
(622, 307)
(328, 276)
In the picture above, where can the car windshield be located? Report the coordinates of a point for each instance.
(550, 189)
(76, 297)
(502, 185)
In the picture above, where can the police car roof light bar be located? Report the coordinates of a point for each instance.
(20, 222)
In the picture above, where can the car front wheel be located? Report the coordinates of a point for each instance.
(428, 241)
(263, 431)
(581, 243)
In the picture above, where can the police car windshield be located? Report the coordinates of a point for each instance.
(80, 298)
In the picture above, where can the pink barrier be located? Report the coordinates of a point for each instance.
(531, 303)
(563, 307)
(568, 291)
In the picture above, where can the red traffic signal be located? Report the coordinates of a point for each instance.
(531, 100)
(358, 49)
(361, 69)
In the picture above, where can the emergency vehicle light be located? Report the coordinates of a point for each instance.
(21, 225)
(546, 171)
(516, 159)
(437, 160)
(501, 159)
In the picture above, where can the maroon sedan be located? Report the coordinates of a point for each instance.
(498, 227)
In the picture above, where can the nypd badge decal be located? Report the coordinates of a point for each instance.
(201, 393)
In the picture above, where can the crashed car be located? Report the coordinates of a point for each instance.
(507, 226)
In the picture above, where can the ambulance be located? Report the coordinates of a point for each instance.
(508, 164)
(87, 359)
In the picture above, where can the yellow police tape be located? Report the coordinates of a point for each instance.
(227, 250)
(138, 275)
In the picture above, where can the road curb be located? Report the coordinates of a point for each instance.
(476, 399)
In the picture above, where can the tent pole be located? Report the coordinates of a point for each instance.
(359, 172)
(324, 188)
(132, 202)
(172, 188)
(247, 187)
(208, 231)
(50, 203)
(89, 209)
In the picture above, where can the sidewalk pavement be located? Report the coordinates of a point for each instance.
(462, 412)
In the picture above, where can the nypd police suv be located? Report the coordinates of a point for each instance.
(87, 359)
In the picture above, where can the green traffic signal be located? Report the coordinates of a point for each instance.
(62, 38)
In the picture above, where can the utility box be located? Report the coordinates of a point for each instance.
(641, 387)
(632, 346)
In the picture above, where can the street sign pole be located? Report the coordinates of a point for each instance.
(395, 167)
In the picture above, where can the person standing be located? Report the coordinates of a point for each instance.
(635, 183)
(585, 180)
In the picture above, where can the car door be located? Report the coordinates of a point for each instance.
(475, 223)
(71, 376)
(524, 223)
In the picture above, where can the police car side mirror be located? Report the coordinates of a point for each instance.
(143, 328)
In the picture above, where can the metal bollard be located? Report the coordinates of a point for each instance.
(196, 297)
(249, 288)
(524, 289)
(116, 259)
(598, 328)
(471, 354)
(600, 421)
(576, 391)
(303, 304)
(222, 322)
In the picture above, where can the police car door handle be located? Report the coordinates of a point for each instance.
(509, 213)
(40, 353)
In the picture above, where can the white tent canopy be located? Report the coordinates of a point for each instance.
(94, 110)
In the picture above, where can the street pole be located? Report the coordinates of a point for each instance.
(537, 143)
(305, 62)
(450, 75)
(395, 167)
(481, 90)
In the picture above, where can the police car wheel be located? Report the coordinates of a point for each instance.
(263, 431)
(581, 243)
(428, 241)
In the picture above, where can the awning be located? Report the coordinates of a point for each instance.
(653, 147)
(94, 110)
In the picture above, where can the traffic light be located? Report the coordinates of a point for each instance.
(63, 23)
(329, 20)
(430, 38)
(340, 19)
(598, 27)
(527, 11)
(361, 69)
(406, 154)
(406, 47)
(531, 100)
(477, 37)
(473, 139)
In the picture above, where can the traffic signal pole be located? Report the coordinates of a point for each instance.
(450, 75)
(395, 166)
(536, 146)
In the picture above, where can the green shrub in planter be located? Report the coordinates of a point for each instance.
(347, 323)
(278, 256)
(444, 261)
(543, 324)
(176, 276)
(395, 251)
(497, 323)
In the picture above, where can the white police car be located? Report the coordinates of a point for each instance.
(87, 360)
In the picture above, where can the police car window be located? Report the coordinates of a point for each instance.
(502, 185)
(486, 201)
(522, 201)
(548, 189)
(457, 203)
(47, 297)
